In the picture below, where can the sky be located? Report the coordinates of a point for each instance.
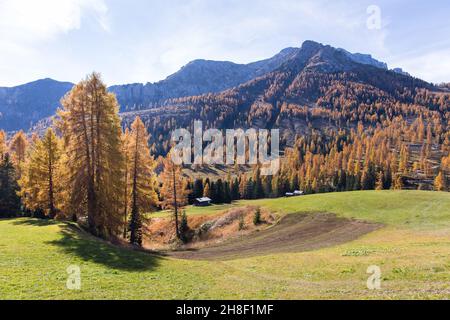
(147, 40)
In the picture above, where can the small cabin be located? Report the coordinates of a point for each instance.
(296, 193)
(289, 194)
(202, 202)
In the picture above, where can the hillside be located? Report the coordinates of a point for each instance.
(319, 87)
(35, 254)
(325, 101)
(22, 106)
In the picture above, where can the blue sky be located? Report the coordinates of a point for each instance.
(146, 40)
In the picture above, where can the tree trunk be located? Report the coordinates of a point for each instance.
(175, 204)
(50, 181)
(125, 211)
(135, 225)
(90, 185)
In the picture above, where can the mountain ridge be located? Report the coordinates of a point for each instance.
(23, 106)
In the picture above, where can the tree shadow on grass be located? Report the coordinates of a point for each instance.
(35, 222)
(89, 248)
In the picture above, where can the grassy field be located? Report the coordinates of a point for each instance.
(412, 250)
(414, 209)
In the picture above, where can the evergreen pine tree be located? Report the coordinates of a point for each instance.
(258, 191)
(189, 189)
(257, 217)
(9, 200)
(294, 182)
(387, 180)
(227, 192)
(342, 184)
(198, 188)
(249, 189)
(184, 227)
(235, 190)
(220, 191)
(275, 186)
(267, 186)
(368, 178)
(213, 192)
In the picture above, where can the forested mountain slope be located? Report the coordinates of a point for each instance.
(333, 112)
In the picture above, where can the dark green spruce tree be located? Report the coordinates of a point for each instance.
(9, 200)
(227, 192)
(198, 188)
(235, 190)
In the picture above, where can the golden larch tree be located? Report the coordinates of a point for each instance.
(91, 129)
(439, 182)
(18, 149)
(3, 146)
(39, 177)
(142, 180)
(398, 182)
(379, 182)
(172, 191)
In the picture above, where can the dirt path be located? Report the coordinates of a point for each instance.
(294, 233)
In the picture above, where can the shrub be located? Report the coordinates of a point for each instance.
(241, 223)
(184, 227)
(257, 217)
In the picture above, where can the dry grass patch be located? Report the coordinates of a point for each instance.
(207, 230)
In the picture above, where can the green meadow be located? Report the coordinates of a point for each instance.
(412, 250)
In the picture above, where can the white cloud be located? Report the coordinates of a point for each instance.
(31, 21)
(27, 24)
(65, 39)
(432, 66)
